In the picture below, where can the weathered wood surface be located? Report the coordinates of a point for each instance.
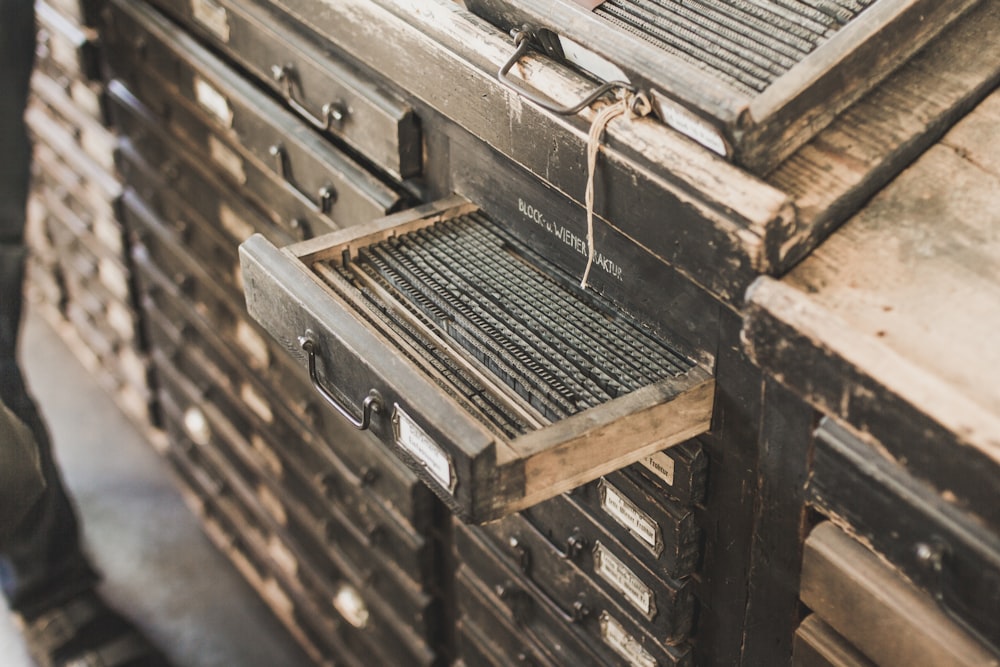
(944, 551)
(819, 645)
(891, 324)
(671, 196)
(877, 611)
(480, 475)
(374, 121)
(864, 148)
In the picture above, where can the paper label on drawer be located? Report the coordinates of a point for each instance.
(419, 445)
(213, 101)
(65, 53)
(622, 579)
(587, 60)
(660, 465)
(349, 603)
(253, 344)
(211, 16)
(226, 158)
(637, 522)
(237, 227)
(624, 644)
(687, 123)
(256, 402)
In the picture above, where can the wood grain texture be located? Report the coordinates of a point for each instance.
(891, 324)
(831, 177)
(877, 611)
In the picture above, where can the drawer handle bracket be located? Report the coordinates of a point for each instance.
(371, 404)
(331, 112)
(327, 195)
(522, 40)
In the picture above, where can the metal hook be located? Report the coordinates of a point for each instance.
(331, 111)
(327, 195)
(522, 40)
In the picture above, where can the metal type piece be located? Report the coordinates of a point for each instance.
(333, 113)
(522, 40)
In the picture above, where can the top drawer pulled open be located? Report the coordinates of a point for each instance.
(496, 378)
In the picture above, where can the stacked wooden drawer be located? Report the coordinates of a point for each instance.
(80, 271)
(884, 339)
(340, 538)
(600, 575)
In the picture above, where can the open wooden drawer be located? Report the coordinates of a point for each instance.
(498, 380)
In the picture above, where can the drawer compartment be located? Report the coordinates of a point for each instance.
(498, 380)
(750, 80)
(333, 96)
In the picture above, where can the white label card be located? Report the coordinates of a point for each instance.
(227, 158)
(419, 445)
(624, 644)
(687, 123)
(660, 465)
(622, 579)
(212, 16)
(213, 101)
(625, 512)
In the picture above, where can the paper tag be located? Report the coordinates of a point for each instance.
(113, 277)
(637, 522)
(589, 61)
(212, 16)
(282, 556)
(237, 227)
(256, 402)
(253, 344)
(196, 426)
(624, 644)
(622, 579)
(213, 101)
(660, 465)
(227, 158)
(349, 603)
(687, 123)
(272, 504)
(419, 445)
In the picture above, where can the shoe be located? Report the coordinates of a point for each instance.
(85, 632)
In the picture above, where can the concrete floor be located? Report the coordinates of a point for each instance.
(159, 567)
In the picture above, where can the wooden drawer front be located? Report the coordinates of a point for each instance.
(91, 136)
(679, 472)
(316, 83)
(72, 48)
(662, 533)
(338, 596)
(750, 82)
(668, 605)
(816, 644)
(596, 632)
(945, 551)
(482, 464)
(198, 196)
(880, 613)
(290, 216)
(555, 573)
(220, 104)
(323, 534)
(381, 531)
(487, 637)
(207, 317)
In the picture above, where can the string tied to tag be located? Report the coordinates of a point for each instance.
(629, 104)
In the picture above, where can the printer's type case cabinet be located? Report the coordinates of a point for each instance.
(400, 411)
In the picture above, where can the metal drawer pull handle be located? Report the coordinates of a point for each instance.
(371, 404)
(332, 112)
(327, 195)
(522, 40)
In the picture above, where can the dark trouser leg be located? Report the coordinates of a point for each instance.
(42, 563)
